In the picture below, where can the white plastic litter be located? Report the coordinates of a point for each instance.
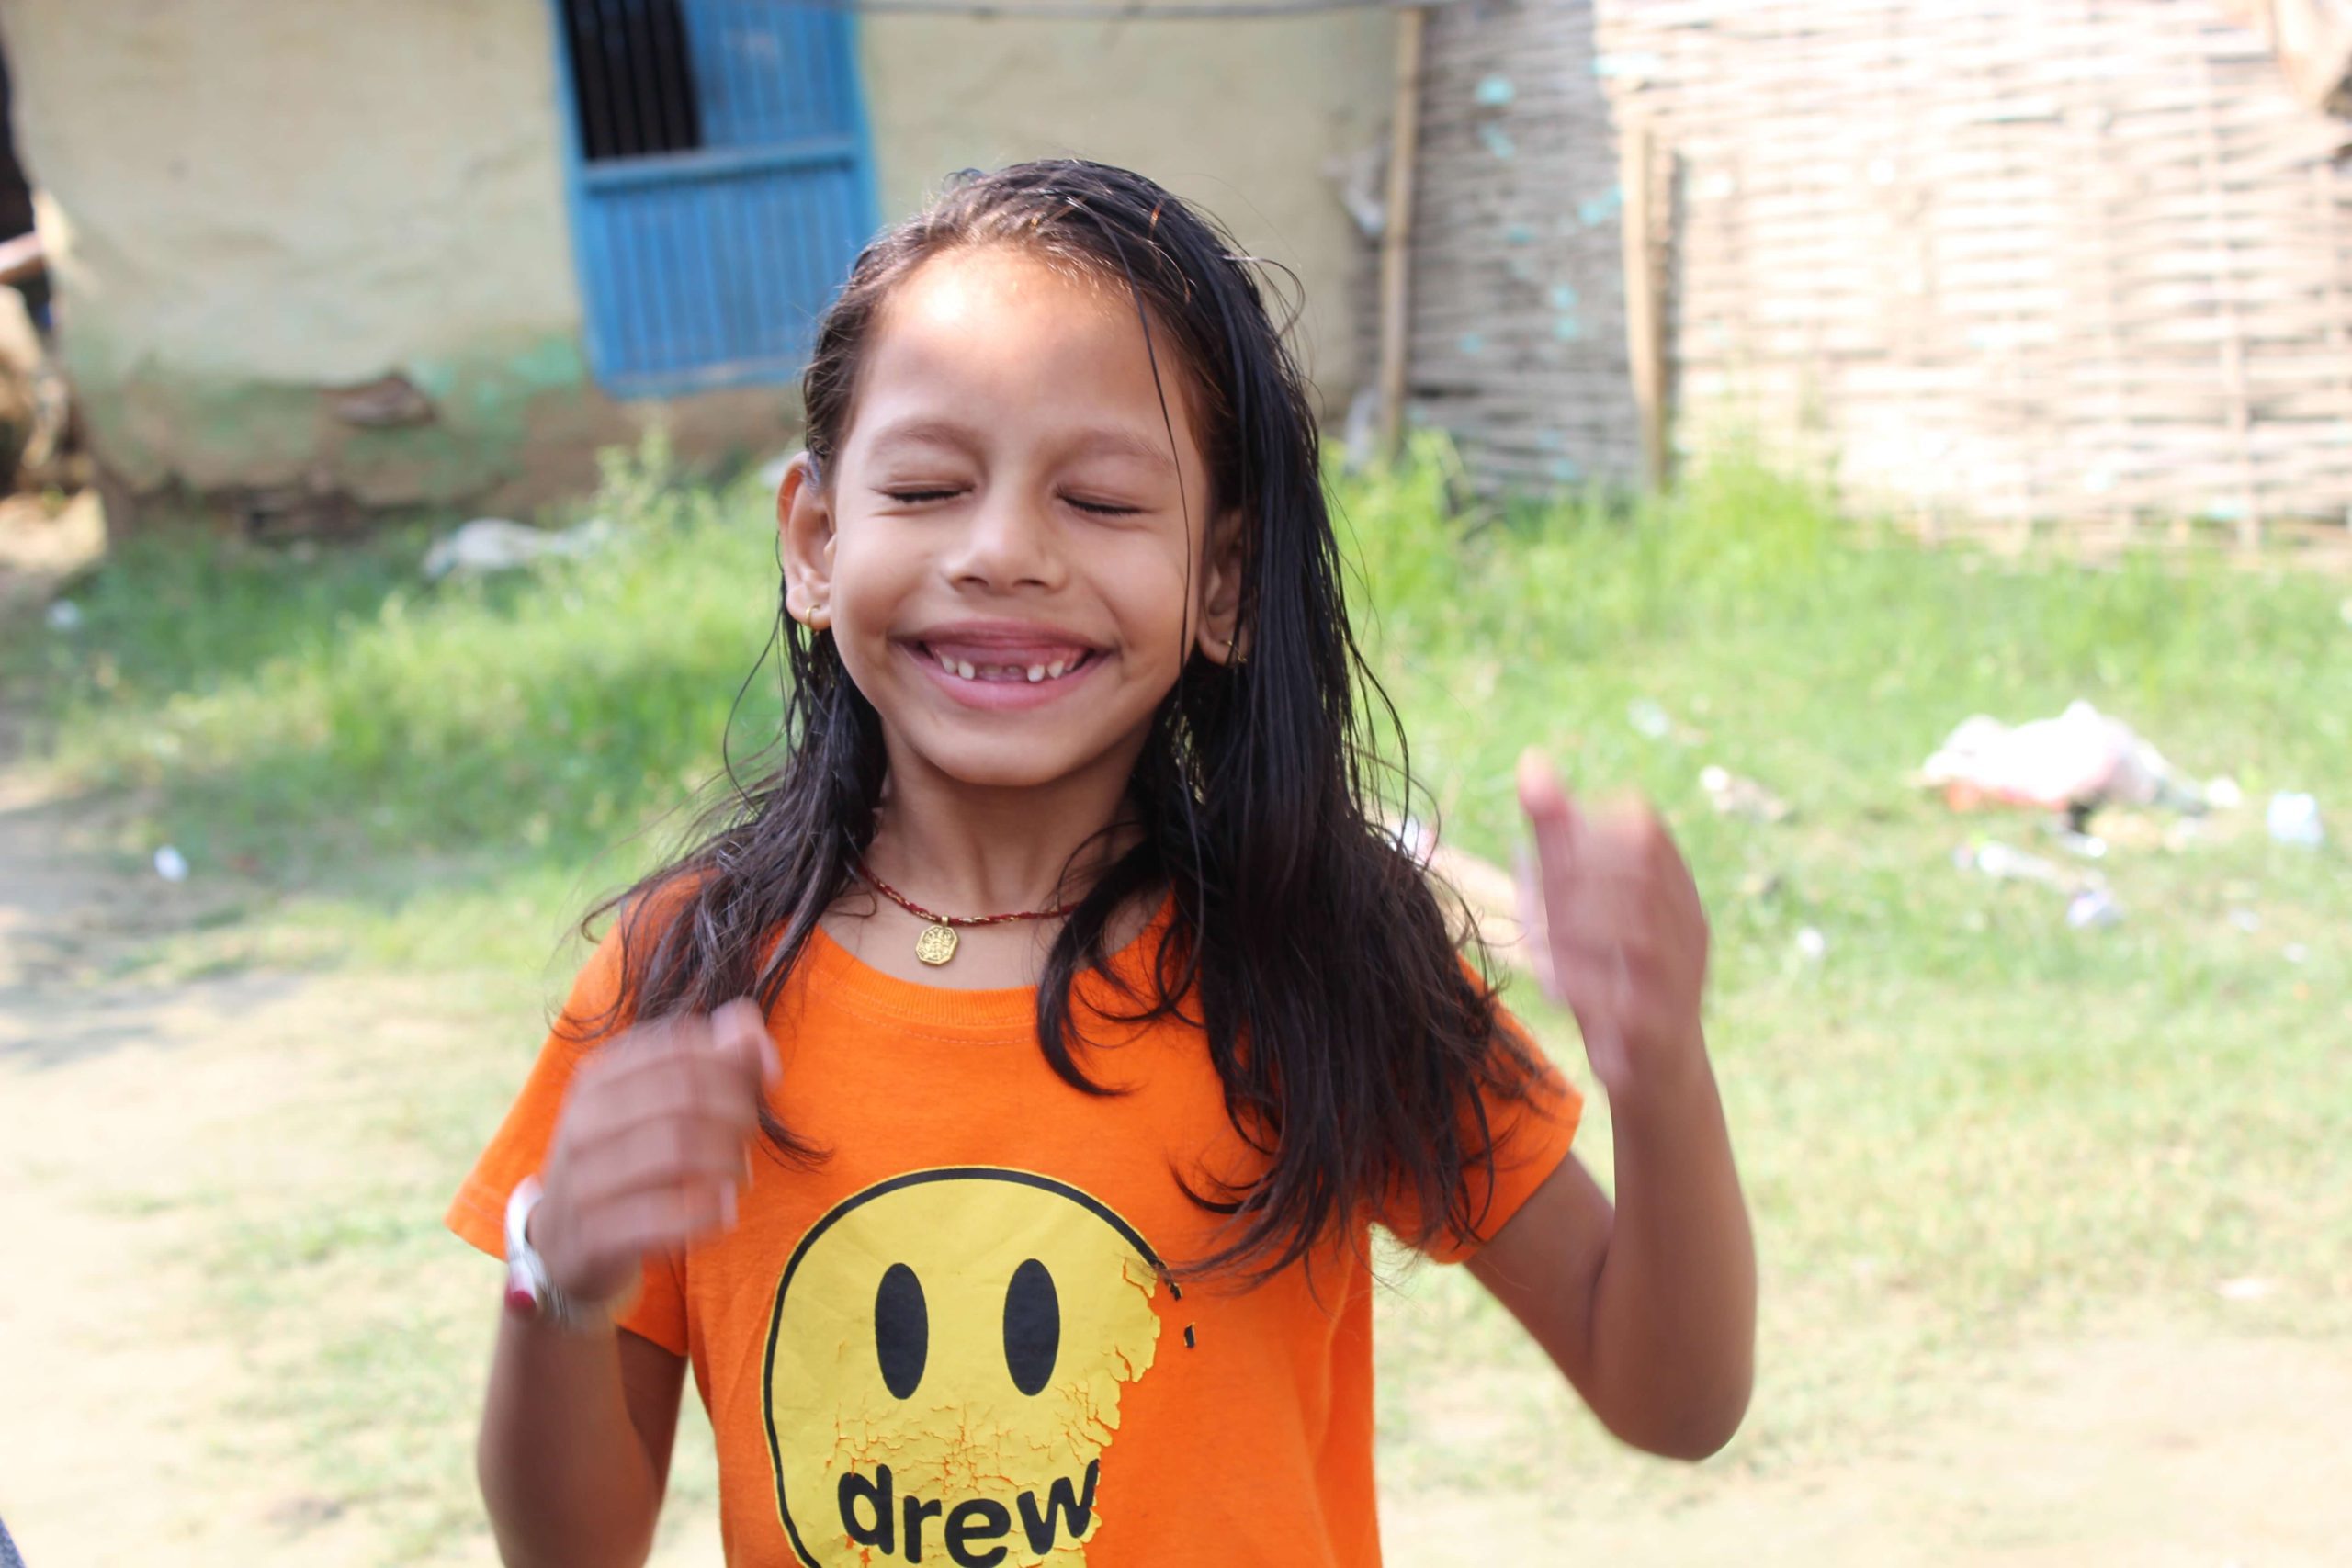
(2006, 863)
(2092, 908)
(1811, 945)
(1648, 719)
(2089, 905)
(2081, 758)
(170, 864)
(2293, 819)
(490, 545)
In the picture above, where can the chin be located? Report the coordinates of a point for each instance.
(1002, 752)
(1004, 762)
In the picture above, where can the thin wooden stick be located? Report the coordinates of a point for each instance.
(2234, 337)
(1396, 234)
(1645, 321)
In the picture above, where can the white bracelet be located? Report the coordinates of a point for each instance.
(530, 1291)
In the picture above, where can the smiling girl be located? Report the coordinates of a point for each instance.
(994, 1109)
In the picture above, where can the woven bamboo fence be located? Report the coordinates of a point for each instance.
(1517, 341)
(1999, 261)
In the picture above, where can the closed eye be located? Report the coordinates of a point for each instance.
(1102, 508)
(919, 497)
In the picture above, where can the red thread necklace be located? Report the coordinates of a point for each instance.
(936, 945)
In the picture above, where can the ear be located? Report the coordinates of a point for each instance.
(1224, 565)
(804, 524)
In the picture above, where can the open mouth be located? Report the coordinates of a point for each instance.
(1035, 666)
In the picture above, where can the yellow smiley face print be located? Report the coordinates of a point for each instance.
(944, 1368)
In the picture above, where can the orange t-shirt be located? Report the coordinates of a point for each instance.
(950, 1341)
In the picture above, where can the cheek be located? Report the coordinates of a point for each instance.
(869, 582)
(1152, 595)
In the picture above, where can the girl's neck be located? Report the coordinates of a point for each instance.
(959, 849)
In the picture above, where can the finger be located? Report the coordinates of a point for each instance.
(1593, 986)
(1630, 873)
(625, 1051)
(1564, 942)
(1540, 793)
(734, 1037)
(685, 1079)
(1534, 929)
(1553, 819)
(1642, 850)
(1579, 874)
(1601, 907)
(649, 1156)
(1639, 894)
(739, 1030)
(648, 1222)
(695, 1089)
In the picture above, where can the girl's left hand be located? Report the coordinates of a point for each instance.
(1615, 925)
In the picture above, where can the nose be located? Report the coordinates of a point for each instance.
(1008, 544)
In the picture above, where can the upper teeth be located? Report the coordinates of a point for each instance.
(970, 672)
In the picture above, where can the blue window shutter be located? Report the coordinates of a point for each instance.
(706, 266)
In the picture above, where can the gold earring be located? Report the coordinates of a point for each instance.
(1234, 658)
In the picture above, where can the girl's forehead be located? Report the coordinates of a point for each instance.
(979, 286)
(1003, 269)
(997, 334)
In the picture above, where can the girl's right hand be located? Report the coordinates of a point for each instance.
(652, 1146)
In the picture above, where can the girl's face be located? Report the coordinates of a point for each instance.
(1010, 549)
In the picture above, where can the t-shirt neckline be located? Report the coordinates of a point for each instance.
(847, 979)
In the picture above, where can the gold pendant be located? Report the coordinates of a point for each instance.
(937, 944)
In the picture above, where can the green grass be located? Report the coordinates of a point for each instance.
(1970, 1123)
(1967, 1124)
(426, 768)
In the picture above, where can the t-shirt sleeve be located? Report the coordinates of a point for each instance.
(1531, 1136)
(477, 1214)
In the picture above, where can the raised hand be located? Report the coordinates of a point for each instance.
(1616, 928)
(652, 1146)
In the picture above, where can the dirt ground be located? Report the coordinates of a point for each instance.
(2155, 1450)
(132, 1108)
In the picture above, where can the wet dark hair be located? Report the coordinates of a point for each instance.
(1353, 1043)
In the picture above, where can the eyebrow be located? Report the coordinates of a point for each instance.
(1107, 440)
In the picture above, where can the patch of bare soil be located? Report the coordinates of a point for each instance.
(2151, 1451)
(140, 1122)
(115, 1444)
